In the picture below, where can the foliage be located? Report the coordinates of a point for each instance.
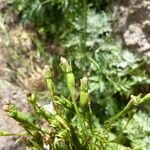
(137, 131)
(56, 17)
(84, 30)
(65, 124)
(112, 69)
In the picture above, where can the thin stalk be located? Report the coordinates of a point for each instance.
(84, 36)
(74, 138)
(132, 104)
(129, 107)
(5, 133)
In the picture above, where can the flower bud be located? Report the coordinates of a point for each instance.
(6, 107)
(69, 76)
(49, 82)
(46, 72)
(84, 84)
(65, 65)
(70, 81)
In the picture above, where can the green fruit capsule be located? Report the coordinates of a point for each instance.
(49, 82)
(23, 118)
(51, 87)
(67, 69)
(71, 84)
(146, 98)
(84, 95)
(65, 65)
(69, 76)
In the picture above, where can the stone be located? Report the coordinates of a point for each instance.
(133, 24)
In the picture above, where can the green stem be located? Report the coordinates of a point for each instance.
(50, 86)
(133, 103)
(145, 99)
(74, 138)
(84, 38)
(5, 133)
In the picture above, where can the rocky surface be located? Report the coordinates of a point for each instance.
(8, 91)
(133, 24)
(7, 124)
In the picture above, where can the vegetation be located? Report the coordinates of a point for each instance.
(68, 125)
(84, 30)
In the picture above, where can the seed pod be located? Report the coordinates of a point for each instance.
(84, 95)
(23, 118)
(45, 114)
(70, 81)
(71, 84)
(65, 65)
(50, 84)
(146, 98)
(69, 76)
(62, 122)
(64, 102)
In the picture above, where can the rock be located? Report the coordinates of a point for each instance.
(15, 43)
(15, 95)
(133, 24)
(4, 4)
(8, 124)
